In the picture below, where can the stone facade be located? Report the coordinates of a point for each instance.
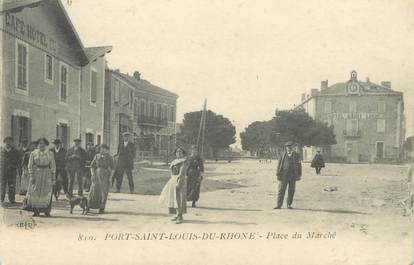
(135, 105)
(51, 86)
(368, 120)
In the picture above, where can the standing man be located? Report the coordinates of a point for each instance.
(318, 163)
(195, 173)
(126, 155)
(289, 170)
(10, 162)
(75, 165)
(61, 175)
(90, 155)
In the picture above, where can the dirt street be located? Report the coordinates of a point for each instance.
(348, 215)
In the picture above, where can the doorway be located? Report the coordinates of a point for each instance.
(380, 150)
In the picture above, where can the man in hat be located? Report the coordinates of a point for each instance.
(125, 164)
(75, 165)
(289, 170)
(90, 155)
(61, 175)
(10, 162)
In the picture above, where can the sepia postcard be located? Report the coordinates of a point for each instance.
(181, 132)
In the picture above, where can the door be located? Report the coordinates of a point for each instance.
(62, 133)
(352, 154)
(380, 150)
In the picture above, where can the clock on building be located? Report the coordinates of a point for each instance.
(353, 88)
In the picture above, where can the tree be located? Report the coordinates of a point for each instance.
(219, 133)
(296, 125)
(257, 137)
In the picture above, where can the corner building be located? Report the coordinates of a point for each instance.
(368, 120)
(51, 85)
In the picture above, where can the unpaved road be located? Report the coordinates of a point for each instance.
(361, 220)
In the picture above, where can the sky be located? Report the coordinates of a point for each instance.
(250, 57)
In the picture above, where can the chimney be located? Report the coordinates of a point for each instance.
(314, 92)
(137, 75)
(324, 85)
(386, 84)
(303, 97)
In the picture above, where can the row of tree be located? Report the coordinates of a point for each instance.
(266, 137)
(261, 138)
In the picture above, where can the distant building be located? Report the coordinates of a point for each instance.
(368, 120)
(51, 85)
(135, 105)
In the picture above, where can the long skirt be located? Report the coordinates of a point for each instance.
(39, 194)
(193, 188)
(173, 198)
(24, 184)
(98, 194)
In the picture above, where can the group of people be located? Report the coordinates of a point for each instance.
(44, 172)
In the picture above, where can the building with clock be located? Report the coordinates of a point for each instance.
(368, 120)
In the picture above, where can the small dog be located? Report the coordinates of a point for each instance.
(82, 202)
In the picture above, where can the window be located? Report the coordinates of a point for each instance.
(136, 107)
(143, 107)
(98, 139)
(48, 68)
(381, 107)
(172, 114)
(328, 107)
(380, 125)
(165, 113)
(89, 138)
(62, 133)
(94, 86)
(152, 110)
(63, 83)
(352, 127)
(131, 99)
(22, 66)
(116, 91)
(352, 107)
(159, 114)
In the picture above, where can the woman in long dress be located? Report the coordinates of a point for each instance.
(42, 170)
(102, 167)
(174, 194)
(194, 176)
(25, 169)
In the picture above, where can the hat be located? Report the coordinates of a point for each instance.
(57, 141)
(104, 146)
(126, 134)
(77, 140)
(8, 138)
(290, 143)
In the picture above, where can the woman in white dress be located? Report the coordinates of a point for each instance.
(174, 194)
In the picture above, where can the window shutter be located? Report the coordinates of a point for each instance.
(15, 129)
(29, 129)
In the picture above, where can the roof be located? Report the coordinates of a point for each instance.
(366, 87)
(95, 52)
(17, 6)
(144, 84)
(86, 55)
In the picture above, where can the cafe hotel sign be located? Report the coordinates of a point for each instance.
(30, 33)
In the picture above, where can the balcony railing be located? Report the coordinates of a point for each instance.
(352, 133)
(151, 121)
